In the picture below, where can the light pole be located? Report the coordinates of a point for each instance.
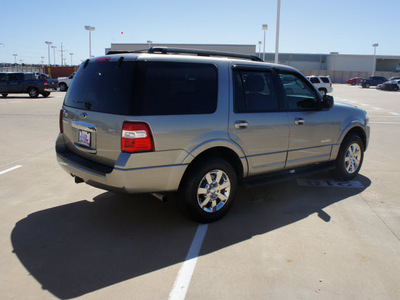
(15, 56)
(71, 57)
(278, 20)
(42, 57)
(259, 49)
(54, 54)
(149, 43)
(264, 27)
(90, 29)
(48, 44)
(374, 64)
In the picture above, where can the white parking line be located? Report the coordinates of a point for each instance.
(185, 273)
(10, 169)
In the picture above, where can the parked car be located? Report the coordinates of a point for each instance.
(65, 82)
(31, 83)
(198, 123)
(322, 83)
(373, 81)
(354, 80)
(391, 85)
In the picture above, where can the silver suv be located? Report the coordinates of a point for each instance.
(199, 123)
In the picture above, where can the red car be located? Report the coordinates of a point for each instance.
(354, 80)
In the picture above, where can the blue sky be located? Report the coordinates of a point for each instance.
(309, 26)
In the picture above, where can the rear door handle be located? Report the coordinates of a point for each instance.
(241, 124)
(299, 121)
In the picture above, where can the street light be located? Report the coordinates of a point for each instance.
(278, 19)
(71, 57)
(264, 27)
(149, 43)
(54, 53)
(48, 44)
(259, 49)
(374, 64)
(42, 57)
(90, 29)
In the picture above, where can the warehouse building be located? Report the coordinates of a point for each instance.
(338, 66)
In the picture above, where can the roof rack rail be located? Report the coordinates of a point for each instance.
(166, 50)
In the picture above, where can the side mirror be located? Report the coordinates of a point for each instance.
(327, 101)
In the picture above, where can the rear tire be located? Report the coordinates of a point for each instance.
(208, 190)
(63, 87)
(350, 158)
(33, 93)
(45, 94)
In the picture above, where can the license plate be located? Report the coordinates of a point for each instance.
(84, 138)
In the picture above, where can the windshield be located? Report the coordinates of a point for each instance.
(102, 86)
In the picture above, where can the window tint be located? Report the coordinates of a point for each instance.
(325, 79)
(102, 86)
(172, 88)
(314, 80)
(299, 94)
(254, 92)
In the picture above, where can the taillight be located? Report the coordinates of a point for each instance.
(136, 137)
(46, 83)
(60, 121)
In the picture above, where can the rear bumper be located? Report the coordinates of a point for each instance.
(141, 180)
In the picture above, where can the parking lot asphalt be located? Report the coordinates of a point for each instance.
(306, 238)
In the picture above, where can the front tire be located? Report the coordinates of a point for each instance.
(208, 191)
(350, 158)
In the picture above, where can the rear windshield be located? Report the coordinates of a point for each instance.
(103, 86)
(145, 88)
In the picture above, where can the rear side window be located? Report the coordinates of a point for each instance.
(314, 80)
(325, 79)
(174, 88)
(254, 92)
(102, 86)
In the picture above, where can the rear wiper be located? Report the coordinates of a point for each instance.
(88, 105)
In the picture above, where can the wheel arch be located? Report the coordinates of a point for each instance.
(223, 152)
(356, 130)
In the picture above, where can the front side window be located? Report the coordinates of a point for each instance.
(299, 93)
(254, 92)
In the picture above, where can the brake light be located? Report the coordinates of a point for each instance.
(136, 137)
(45, 83)
(60, 121)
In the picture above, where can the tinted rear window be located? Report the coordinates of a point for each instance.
(325, 79)
(103, 86)
(172, 88)
(145, 88)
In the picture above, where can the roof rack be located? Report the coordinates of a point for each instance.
(166, 50)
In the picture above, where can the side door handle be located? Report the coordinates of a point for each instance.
(241, 124)
(299, 121)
